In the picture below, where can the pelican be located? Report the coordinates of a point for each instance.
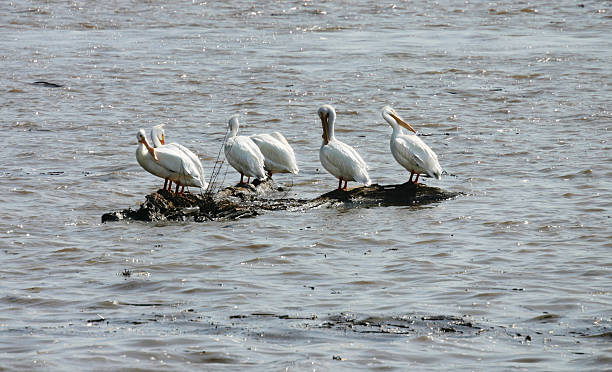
(278, 154)
(243, 154)
(338, 158)
(167, 163)
(158, 137)
(409, 150)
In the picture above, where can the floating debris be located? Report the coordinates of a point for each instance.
(403, 325)
(47, 84)
(99, 319)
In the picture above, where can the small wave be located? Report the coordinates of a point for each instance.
(525, 77)
(439, 25)
(528, 360)
(602, 335)
(586, 172)
(208, 357)
(545, 318)
(35, 10)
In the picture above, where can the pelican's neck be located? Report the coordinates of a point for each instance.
(233, 127)
(155, 134)
(144, 147)
(141, 149)
(397, 130)
(331, 122)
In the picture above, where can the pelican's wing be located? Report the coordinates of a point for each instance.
(244, 155)
(281, 138)
(252, 148)
(278, 156)
(355, 155)
(194, 158)
(414, 149)
(343, 161)
(182, 148)
(264, 139)
(177, 162)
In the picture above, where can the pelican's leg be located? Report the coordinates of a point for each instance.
(241, 176)
(165, 183)
(248, 179)
(339, 183)
(170, 185)
(417, 178)
(270, 174)
(182, 189)
(411, 174)
(176, 190)
(345, 185)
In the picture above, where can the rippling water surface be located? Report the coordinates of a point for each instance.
(514, 274)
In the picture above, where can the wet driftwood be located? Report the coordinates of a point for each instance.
(248, 200)
(384, 196)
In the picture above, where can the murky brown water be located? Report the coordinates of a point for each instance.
(515, 98)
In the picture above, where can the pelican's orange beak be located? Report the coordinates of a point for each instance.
(151, 149)
(401, 122)
(153, 154)
(324, 122)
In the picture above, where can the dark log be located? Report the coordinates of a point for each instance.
(247, 200)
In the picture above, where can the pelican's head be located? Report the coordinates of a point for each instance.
(389, 114)
(158, 136)
(233, 124)
(327, 113)
(141, 136)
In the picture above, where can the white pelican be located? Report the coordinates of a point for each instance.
(338, 158)
(158, 137)
(167, 163)
(409, 150)
(243, 154)
(278, 154)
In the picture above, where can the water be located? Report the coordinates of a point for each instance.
(515, 98)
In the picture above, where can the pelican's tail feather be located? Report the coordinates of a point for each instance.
(363, 177)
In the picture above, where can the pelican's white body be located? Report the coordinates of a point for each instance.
(158, 133)
(410, 151)
(242, 153)
(170, 163)
(338, 158)
(278, 154)
(343, 162)
(414, 155)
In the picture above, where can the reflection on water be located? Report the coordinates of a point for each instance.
(513, 97)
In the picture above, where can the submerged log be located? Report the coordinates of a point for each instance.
(247, 200)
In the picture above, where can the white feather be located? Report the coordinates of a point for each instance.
(343, 162)
(278, 154)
